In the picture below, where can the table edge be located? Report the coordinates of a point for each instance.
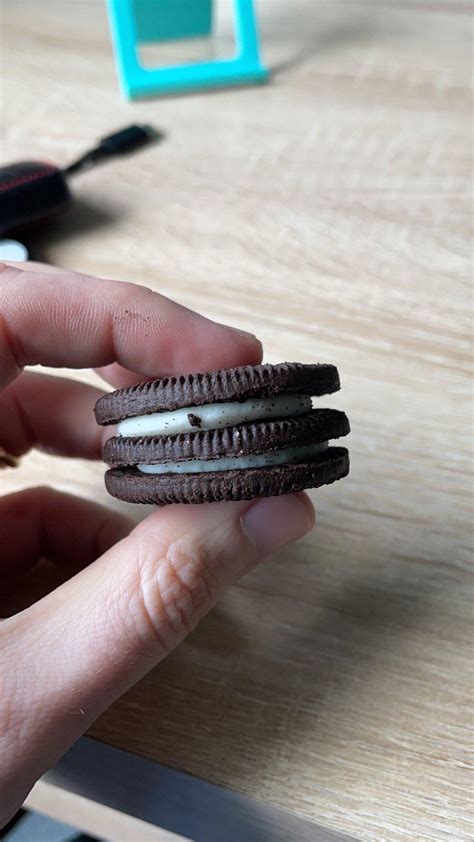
(177, 801)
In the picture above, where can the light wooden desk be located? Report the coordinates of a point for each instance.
(329, 213)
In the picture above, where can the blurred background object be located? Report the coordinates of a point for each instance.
(32, 193)
(134, 22)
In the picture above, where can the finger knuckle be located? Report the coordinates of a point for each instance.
(175, 590)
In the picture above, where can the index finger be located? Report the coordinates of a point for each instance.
(76, 321)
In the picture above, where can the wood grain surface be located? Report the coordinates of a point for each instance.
(328, 212)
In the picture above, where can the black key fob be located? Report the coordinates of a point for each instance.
(30, 193)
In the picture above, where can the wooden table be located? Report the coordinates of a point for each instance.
(329, 213)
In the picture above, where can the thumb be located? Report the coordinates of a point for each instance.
(82, 646)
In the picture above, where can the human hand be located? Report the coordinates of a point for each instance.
(134, 593)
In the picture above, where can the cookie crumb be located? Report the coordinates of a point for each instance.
(194, 420)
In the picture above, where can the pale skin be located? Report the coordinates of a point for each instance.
(129, 594)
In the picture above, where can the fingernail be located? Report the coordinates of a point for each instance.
(272, 522)
(243, 333)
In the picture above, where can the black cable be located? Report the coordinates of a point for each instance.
(119, 143)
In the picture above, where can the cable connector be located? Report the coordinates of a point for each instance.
(119, 143)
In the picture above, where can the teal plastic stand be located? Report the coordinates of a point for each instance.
(139, 21)
(166, 20)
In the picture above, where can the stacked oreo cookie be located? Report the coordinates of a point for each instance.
(225, 435)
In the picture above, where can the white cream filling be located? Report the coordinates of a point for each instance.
(234, 463)
(214, 416)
